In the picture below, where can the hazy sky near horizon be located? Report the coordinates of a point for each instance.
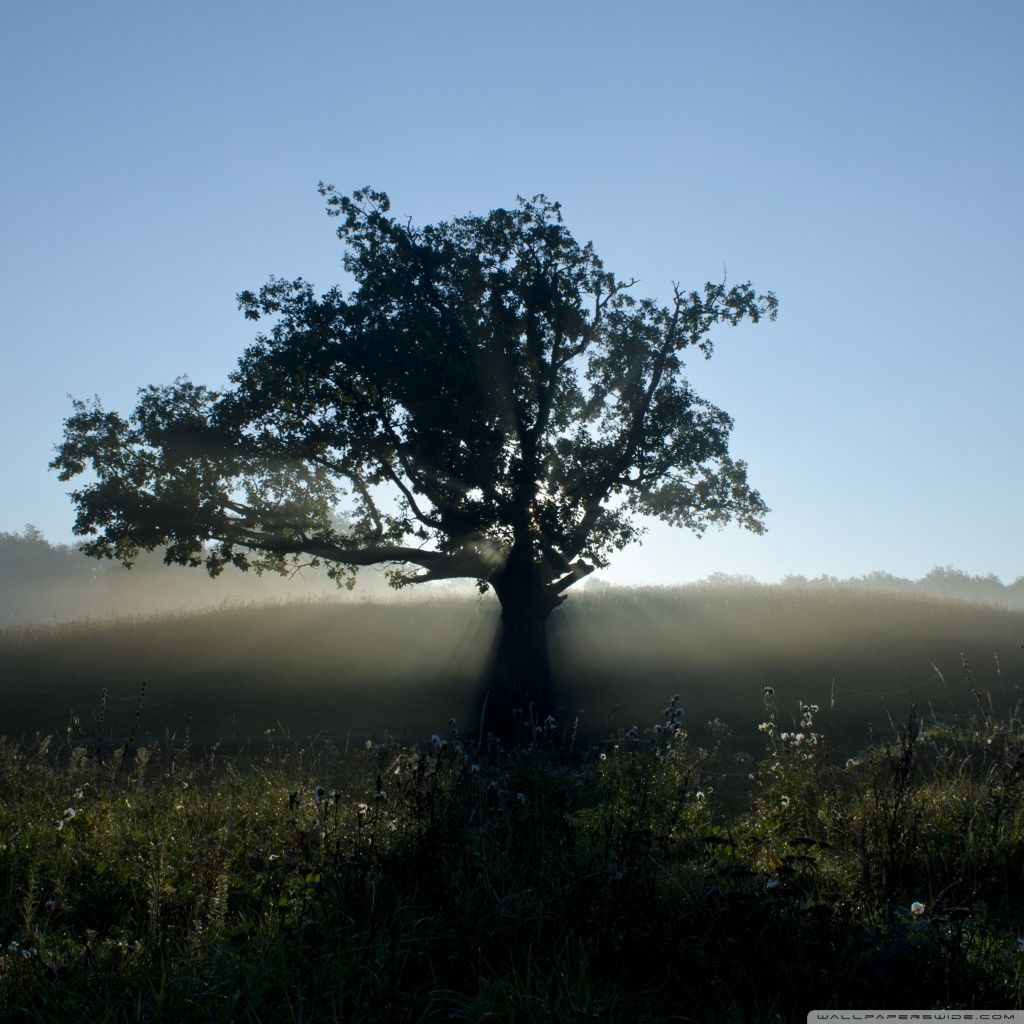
(864, 161)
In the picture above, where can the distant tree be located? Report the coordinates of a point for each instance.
(522, 408)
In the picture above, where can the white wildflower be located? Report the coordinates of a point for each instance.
(917, 908)
(785, 801)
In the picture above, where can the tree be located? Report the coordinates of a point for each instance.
(492, 401)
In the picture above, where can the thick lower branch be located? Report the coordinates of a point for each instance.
(438, 564)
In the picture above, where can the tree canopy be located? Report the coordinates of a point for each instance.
(488, 402)
(488, 370)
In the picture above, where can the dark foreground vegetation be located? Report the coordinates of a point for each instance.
(639, 879)
(178, 847)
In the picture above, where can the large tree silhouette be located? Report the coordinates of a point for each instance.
(490, 401)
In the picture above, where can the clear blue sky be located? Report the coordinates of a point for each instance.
(863, 160)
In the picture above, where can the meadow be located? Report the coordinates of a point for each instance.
(757, 801)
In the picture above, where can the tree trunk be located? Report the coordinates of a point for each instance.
(520, 692)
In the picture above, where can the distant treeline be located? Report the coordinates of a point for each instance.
(942, 582)
(42, 581)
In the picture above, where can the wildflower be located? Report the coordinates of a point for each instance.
(765, 727)
(382, 795)
(851, 763)
(917, 908)
(28, 952)
(785, 801)
(319, 793)
(361, 809)
(520, 798)
(768, 691)
(369, 744)
(12, 946)
(657, 730)
(70, 813)
(50, 905)
(603, 757)
(549, 722)
(273, 856)
(79, 794)
(59, 825)
(700, 796)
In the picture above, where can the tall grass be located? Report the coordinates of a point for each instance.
(642, 878)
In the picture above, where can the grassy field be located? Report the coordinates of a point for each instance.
(834, 821)
(640, 879)
(361, 669)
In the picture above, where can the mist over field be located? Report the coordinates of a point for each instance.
(239, 658)
(42, 581)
